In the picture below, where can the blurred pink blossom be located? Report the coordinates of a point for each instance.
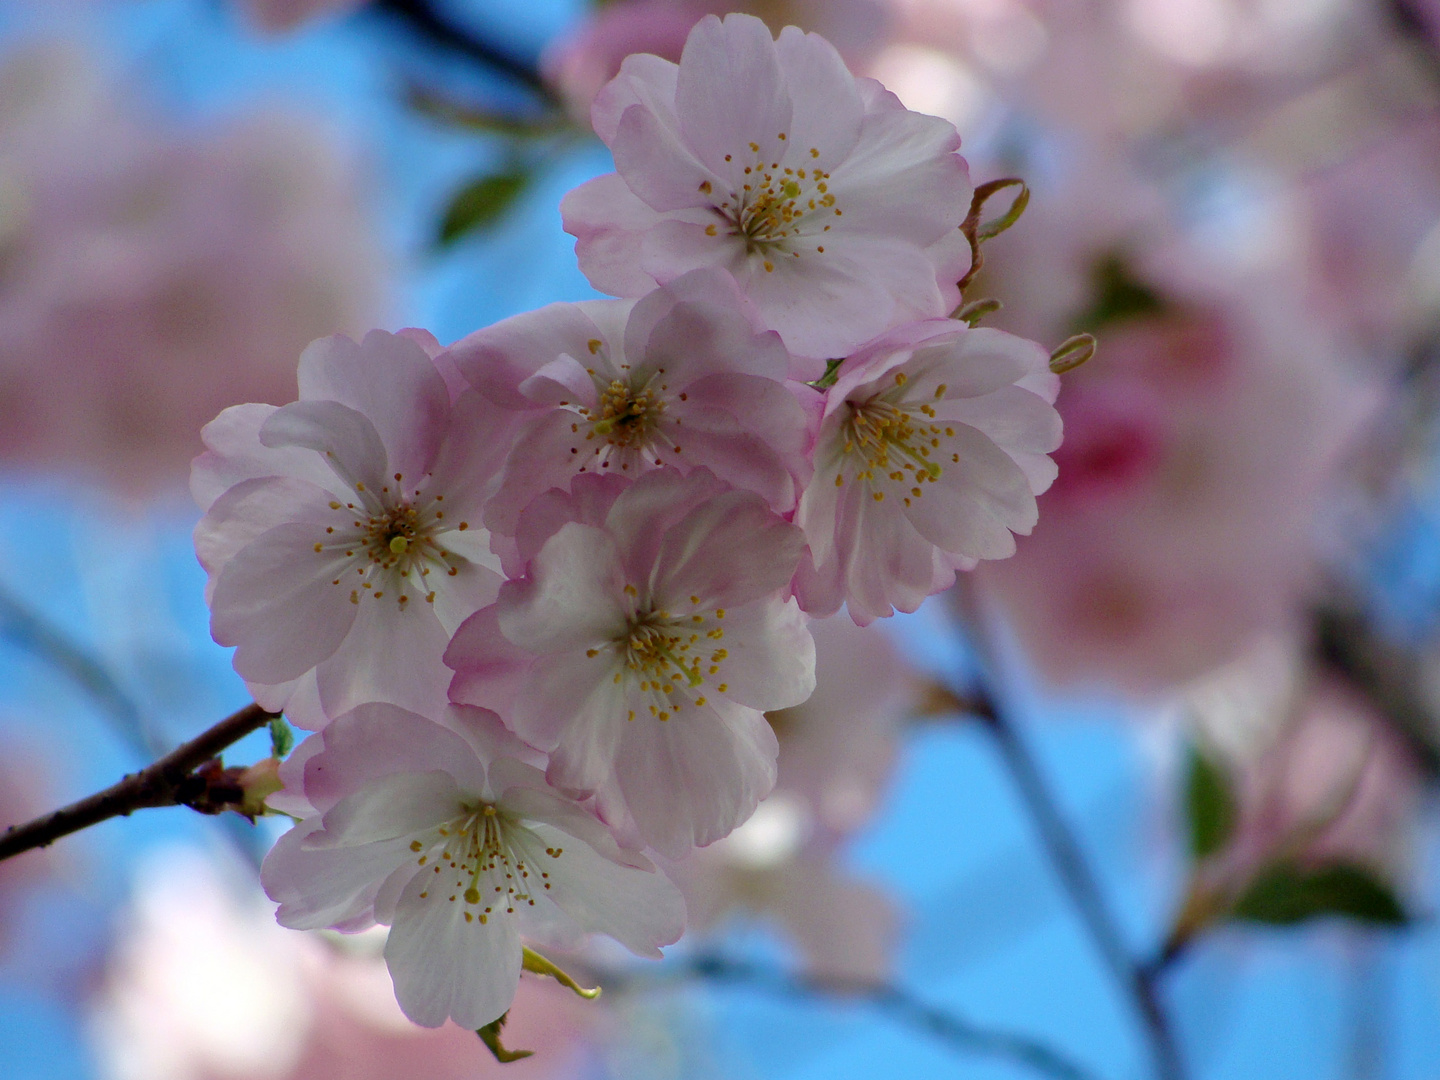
(279, 16)
(149, 278)
(1200, 442)
(289, 1005)
(1319, 775)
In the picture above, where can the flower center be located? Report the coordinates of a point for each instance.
(489, 876)
(891, 441)
(667, 655)
(626, 417)
(390, 546)
(776, 205)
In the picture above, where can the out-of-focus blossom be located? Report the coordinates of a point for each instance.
(149, 278)
(836, 209)
(1319, 776)
(930, 454)
(837, 757)
(279, 16)
(205, 986)
(683, 377)
(648, 636)
(450, 836)
(579, 64)
(1376, 218)
(343, 532)
(1199, 445)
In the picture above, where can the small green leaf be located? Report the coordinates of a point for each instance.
(482, 202)
(282, 739)
(1072, 352)
(490, 1036)
(1283, 893)
(536, 964)
(1210, 805)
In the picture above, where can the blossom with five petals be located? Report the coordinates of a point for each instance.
(837, 210)
(343, 532)
(459, 846)
(648, 637)
(930, 454)
(683, 377)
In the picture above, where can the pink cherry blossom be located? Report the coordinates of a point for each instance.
(343, 533)
(1201, 443)
(578, 65)
(930, 454)
(459, 848)
(682, 377)
(835, 209)
(837, 757)
(153, 277)
(642, 647)
(1319, 776)
(1187, 519)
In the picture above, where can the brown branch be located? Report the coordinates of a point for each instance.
(177, 779)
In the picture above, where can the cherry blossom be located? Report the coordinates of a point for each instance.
(1200, 453)
(438, 832)
(579, 64)
(343, 533)
(642, 647)
(837, 756)
(154, 276)
(682, 377)
(930, 454)
(835, 208)
(1319, 776)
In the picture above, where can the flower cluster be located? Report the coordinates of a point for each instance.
(536, 592)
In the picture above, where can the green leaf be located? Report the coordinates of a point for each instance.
(1210, 805)
(1283, 894)
(490, 1036)
(482, 202)
(282, 739)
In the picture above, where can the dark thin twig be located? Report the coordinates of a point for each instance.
(1136, 980)
(425, 19)
(957, 1033)
(171, 781)
(34, 632)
